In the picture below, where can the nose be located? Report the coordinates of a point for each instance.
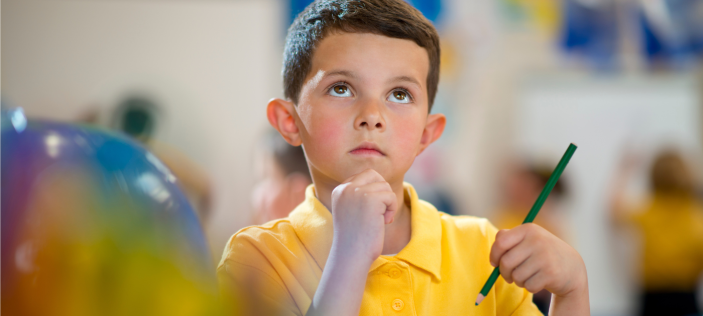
(370, 117)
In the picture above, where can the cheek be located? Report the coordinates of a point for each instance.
(407, 139)
(329, 131)
(326, 134)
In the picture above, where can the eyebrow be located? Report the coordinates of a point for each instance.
(406, 79)
(345, 73)
(350, 74)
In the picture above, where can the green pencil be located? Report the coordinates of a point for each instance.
(533, 213)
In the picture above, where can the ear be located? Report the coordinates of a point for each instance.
(281, 116)
(433, 130)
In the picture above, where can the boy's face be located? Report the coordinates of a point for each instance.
(364, 105)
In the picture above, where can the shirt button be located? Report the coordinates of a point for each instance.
(398, 304)
(394, 273)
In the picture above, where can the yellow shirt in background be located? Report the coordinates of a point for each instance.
(672, 252)
(276, 268)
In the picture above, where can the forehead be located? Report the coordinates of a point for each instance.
(371, 55)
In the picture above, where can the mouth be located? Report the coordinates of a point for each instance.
(367, 149)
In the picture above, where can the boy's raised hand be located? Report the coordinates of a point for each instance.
(361, 206)
(535, 259)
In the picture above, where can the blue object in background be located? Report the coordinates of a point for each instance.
(122, 166)
(431, 9)
(591, 32)
(93, 222)
(295, 7)
(671, 32)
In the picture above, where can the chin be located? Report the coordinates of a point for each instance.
(382, 169)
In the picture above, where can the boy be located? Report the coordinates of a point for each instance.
(359, 79)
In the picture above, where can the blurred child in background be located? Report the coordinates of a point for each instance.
(521, 186)
(284, 176)
(671, 225)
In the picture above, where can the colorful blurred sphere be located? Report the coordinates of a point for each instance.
(94, 224)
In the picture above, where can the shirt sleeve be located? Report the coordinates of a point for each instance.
(247, 288)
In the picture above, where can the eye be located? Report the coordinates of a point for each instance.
(340, 90)
(400, 96)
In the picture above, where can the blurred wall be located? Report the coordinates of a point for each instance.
(607, 116)
(211, 65)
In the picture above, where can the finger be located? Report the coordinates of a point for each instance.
(511, 260)
(536, 282)
(505, 240)
(527, 268)
(380, 186)
(392, 208)
(338, 191)
(365, 177)
(389, 200)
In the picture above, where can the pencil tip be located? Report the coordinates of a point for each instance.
(479, 298)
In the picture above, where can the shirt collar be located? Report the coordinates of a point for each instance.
(313, 224)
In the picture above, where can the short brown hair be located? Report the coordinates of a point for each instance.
(392, 18)
(670, 174)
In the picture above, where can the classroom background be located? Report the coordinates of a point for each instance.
(520, 80)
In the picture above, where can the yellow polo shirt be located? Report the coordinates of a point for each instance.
(672, 248)
(276, 268)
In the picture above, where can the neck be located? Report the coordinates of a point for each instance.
(397, 234)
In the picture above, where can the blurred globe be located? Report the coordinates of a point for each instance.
(93, 224)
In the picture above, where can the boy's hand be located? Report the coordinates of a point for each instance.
(535, 259)
(361, 206)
